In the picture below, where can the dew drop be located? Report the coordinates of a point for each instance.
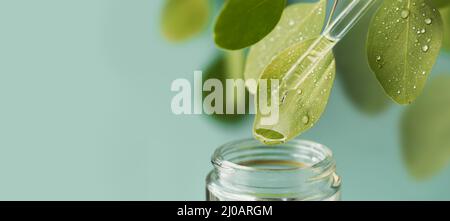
(305, 119)
(291, 23)
(405, 14)
(428, 21)
(425, 48)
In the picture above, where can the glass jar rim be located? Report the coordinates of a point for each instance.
(324, 160)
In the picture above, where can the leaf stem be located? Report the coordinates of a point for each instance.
(333, 10)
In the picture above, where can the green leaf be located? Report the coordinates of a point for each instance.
(228, 65)
(426, 129)
(243, 23)
(446, 18)
(359, 82)
(441, 3)
(299, 22)
(302, 98)
(182, 19)
(403, 44)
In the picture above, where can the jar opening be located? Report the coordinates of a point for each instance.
(250, 155)
(291, 171)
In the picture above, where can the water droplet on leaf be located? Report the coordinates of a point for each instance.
(305, 119)
(405, 14)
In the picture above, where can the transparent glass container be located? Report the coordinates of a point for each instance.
(246, 170)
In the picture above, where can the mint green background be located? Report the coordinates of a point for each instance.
(85, 112)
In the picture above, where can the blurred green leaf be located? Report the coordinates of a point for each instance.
(359, 82)
(446, 18)
(227, 65)
(426, 130)
(299, 22)
(243, 23)
(182, 19)
(441, 3)
(303, 97)
(403, 46)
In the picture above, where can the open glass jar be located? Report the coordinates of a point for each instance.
(296, 171)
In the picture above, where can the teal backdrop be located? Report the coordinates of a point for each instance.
(85, 112)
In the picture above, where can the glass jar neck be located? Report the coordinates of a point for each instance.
(298, 169)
